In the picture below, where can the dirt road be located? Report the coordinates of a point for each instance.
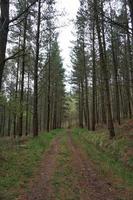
(66, 173)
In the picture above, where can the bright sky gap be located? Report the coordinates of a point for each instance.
(65, 32)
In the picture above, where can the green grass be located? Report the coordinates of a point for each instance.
(106, 155)
(65, 178)
(18, 162)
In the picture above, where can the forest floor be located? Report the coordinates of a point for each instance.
(74, 169)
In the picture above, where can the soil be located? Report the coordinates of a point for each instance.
(40, 186)
(92, 185)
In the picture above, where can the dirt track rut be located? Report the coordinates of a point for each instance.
(40, 186)
(91, 185)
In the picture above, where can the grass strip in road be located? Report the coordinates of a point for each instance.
(19, 162)
(65, 179)
(107, 164)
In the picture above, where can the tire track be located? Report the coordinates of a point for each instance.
(92, 186)
(40, 187)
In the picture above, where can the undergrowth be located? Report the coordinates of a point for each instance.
(107, 155)
(19, 161)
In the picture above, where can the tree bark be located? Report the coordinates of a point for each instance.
(27, 107)
(86, 89)
(22, 78)
(49, 87)
(105, 72)
(16, 94)
(4, 22)
(35, 112)
(80, 107)
(127, 80)
(94, 83)
(49, 91)
(115, 65)
(9, 124)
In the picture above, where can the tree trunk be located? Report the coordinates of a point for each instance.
(4, 119)
(35, 113)
(86, 90)
(27, 107)
(130, 63)
(80, 107)
(105, 72)
(49, 87)
(4, 22)
(94, 83)
(16, 94)
(115, 65)
(127, 81)
(9, 124)
(22, 78)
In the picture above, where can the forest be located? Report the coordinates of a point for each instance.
(58, 143)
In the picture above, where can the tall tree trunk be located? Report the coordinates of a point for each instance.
(94, 83)
(127, 80)
(27, 107)
(55, 120)
(4, 119)
(45, 113)
(103, 100)
(105, 72)
(9, 123)
(35, 113)
(22, 78)
(105, 58)
(115, 65)
(82, 104)
(16, 94)
(80, 107)
(4, 22)
(130, 59)
(86, 90)
(49, 87)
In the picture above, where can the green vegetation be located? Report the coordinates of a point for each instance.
(18, 161)
(65, 177)
(108, 155)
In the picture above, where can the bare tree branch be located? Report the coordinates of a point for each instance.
(109, 20)
(23, 12)
(13, 56)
